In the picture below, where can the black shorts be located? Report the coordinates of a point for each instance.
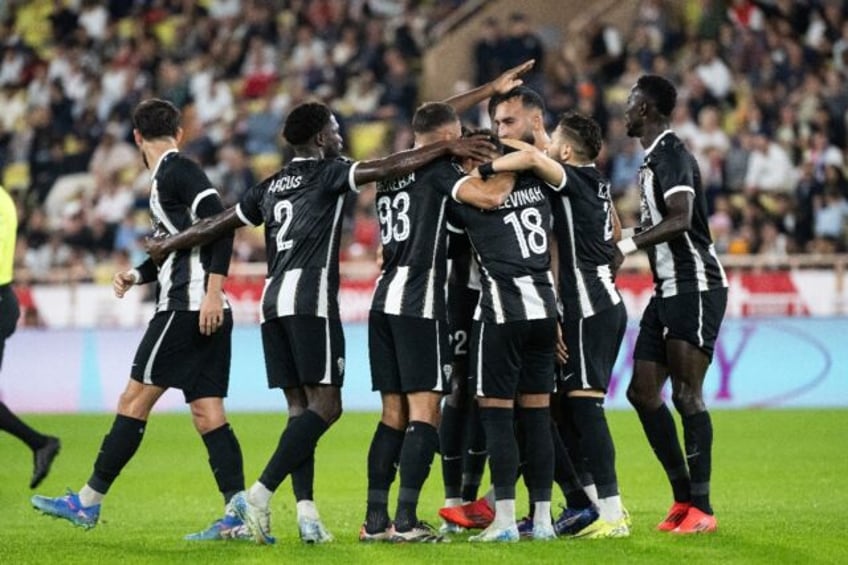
(461, 305)
(174, 354)
(9, 314)
(515, 357)
(408, 354)
(694, 317)
(593, 345)
(303, 350)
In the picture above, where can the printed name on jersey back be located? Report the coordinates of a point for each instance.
(523, 197)
(287, 182)
(396, 184)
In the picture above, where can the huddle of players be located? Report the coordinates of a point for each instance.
(506, 209)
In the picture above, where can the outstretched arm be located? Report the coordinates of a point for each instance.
(201, 233)
(501, 85)
(404, 162)
(531, 160)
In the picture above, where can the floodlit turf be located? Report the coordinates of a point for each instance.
(779, 485)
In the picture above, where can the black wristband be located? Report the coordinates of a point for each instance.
(486, 170)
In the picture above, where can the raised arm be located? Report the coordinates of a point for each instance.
(404, 162)
(204, 231)
(501, 85)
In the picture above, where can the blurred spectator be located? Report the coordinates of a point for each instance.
(489, 52)
(234, 174)
(769, 167)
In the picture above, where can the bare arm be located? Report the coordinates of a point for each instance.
(503, 84)
(405, 162)
(204, 231)
(486, 195)
(531, 160)
(678, 220)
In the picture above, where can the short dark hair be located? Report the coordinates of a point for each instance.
(155, 118)
(490, 136)
(529, 99)
(660, 91)
(305, 122)
(583, 131)
(433, 115)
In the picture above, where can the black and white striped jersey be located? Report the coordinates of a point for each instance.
(180, 193)
(583, 227)
(511, 244)
(412, 214)
(687, 263)
(301, 207)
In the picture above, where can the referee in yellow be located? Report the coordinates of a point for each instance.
(44, 448)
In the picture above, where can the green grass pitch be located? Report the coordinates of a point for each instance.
(779, 492)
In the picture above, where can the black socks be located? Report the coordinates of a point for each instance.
(662, 435)
(698, 437)
(296, 445)
(225, 460)
(419, 446)
(118, 447)
(383, 459)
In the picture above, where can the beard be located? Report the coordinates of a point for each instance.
(528, 137)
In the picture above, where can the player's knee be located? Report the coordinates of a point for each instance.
(642, 399)
(688, 402)
(327, 403)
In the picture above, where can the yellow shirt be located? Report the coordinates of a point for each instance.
(8, 231)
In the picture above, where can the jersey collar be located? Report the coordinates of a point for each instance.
(657, 140)
(159, 162)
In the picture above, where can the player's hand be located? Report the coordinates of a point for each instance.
(122, 282)
(155, 247)
(476, 147)
(512, 78)
(561, 348)
(211, 313)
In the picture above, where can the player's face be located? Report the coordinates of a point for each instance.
(634, 113)
(332, 139)
(513, 121)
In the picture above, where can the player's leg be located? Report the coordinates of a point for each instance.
(496, 364)
(165, 357)
(44, 448)
(535, 388)
(689, 347)
(474, 458)
(116, 450)
(594, 344)
(452, 434)
(650, 373)
(312, 349)
(387, 441)
(302, 477)
(423, 356)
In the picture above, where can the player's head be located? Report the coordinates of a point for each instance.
(155, 119)
(435, 121)
(469, 164)
(518, 114)
(312, 125)
(651, 101)
(576, 139)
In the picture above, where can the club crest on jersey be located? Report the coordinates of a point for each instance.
(447, 370)
(341, 364)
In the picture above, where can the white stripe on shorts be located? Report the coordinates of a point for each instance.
(148, 369)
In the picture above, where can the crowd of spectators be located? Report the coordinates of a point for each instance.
(762, 104)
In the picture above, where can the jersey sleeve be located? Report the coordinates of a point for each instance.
(188, 184)
(674, 173)
(249, 207)
(337, 175)
(566, 169)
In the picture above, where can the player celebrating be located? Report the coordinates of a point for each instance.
(44, 448)
(595, 318)
(301, 207)
(408, 332)
(680, 324)
(187, 343)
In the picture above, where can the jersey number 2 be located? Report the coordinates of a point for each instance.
(283, 214)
